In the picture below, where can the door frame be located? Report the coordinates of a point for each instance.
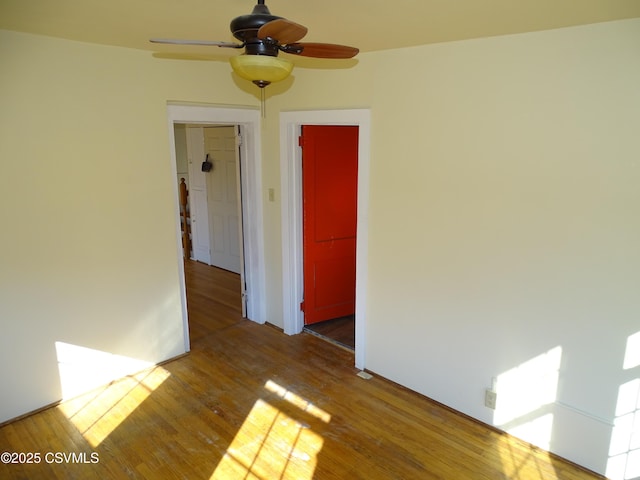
(291, 186)
(248, 119)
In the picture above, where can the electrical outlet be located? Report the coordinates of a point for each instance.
(490, 398)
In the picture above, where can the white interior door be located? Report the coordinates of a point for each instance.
(198, 196)
(220, 143)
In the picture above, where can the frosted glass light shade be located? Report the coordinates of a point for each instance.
(261, 69)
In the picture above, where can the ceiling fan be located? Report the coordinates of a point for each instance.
(263, 36)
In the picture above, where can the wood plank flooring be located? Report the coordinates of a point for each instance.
(340, 330)
(249, 402)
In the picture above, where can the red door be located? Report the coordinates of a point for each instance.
(329, 191)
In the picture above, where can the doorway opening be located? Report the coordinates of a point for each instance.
(292, 244)
(247, 122)
(208, 162)
(329, 226)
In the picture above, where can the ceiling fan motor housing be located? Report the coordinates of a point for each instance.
(263, 36)
(245, 28)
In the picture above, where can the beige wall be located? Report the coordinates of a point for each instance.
(88, 248)
(503, 214)
(504, 231)
(505, 222)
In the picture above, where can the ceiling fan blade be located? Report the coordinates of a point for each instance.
(282, 30)
(322, 50)
(196, 42)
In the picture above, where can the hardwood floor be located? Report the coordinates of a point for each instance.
(339, 330)
(249, 402)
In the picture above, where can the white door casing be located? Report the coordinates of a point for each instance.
(291, 186)
(239, 189)
(248, 120)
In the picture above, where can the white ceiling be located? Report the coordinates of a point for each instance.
(367, 24)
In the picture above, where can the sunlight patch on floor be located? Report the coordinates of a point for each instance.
(520, 463)
(298, 401)
(99, 412)
(271, 444)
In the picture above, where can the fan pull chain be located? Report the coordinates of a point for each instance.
(263, 106)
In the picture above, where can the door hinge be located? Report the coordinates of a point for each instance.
(300, 141)
(302, 306)
(239, 137)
